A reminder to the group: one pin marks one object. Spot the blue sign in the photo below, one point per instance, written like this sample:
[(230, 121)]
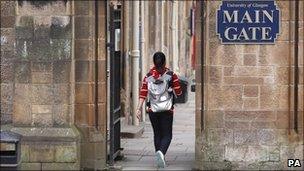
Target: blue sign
[(248, 22)]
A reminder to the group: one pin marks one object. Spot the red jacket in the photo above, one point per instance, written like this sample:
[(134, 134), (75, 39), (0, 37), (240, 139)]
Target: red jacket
[(144, 88)]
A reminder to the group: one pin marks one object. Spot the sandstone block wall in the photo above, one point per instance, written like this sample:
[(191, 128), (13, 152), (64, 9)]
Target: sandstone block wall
[(36, 53), (245, 120), (7, 60)]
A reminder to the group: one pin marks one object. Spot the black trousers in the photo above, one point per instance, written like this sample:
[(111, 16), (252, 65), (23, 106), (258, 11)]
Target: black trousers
[(162, 128)]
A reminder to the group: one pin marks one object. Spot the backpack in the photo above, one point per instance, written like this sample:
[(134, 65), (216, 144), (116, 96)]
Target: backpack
[(160, 92)]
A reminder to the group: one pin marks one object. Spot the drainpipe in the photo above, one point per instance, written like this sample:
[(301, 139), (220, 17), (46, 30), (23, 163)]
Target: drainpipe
[(296, 67), (135, 61), (161, 26), (126, 26), (174, 36), (143, 51)]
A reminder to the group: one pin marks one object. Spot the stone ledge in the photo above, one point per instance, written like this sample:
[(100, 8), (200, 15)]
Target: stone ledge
[(49, 134), (131, 131)]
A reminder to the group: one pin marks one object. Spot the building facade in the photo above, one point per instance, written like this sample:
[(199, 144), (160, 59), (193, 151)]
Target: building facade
[(55, 86), (245, 115)]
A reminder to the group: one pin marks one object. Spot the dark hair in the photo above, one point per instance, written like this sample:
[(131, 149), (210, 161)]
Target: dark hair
[(159, 59)]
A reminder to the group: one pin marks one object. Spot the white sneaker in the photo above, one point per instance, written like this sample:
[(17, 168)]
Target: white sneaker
[(160, 159)]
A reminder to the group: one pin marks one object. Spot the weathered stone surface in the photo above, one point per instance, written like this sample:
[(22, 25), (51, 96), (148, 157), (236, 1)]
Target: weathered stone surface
[(84, 71), (250, 59), (24, 27), (41, 32), (284, 7), (266, 137), (65, 134), (61, 49), (263, 125), (237, 125), (228, 97), (214, 119), (61, 115), (274, 153), (43, 120), (243, 80), (102, 113), (102, 92), (42, 94), (84, 93), (251, 91), (60, 166), (25, 21), (65, 154), (83, 8), (7, 8), (215, 74), (41, 153), (285, 31), (7, 56), (61, 72), (256, 153), (268, 97), (274, 54), (42, 77), (61, 27), (287, 152), (42, 66), (25, 153), (22, 49), (21, 106), (30, 166), (250, 103), (213, 152), (102, 70), (84, 49), (82, 112), (245, 137), (220, 136), (62, 93), (41, 50), (6, 113), (84, 27), (7, 39), (7, 93), (41, 109), (22, 72), (7, 21), (281, 75), (233, 153), (44, 7)]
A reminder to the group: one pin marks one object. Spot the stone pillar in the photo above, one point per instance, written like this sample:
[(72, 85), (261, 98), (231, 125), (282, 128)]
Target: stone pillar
[(88, 42), (246, 100)]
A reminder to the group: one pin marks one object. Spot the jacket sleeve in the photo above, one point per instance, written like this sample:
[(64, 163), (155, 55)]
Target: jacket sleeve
[(144, 89), (176, 86)]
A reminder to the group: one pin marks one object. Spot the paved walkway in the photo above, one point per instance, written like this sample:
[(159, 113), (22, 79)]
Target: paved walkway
[(139, 152)]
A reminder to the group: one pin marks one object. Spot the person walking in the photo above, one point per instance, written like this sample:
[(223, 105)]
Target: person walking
[(160, 86)]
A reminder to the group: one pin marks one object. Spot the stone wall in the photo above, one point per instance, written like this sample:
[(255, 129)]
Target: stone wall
[(245, 120), (36, 88), (7, 60), (93, 130)]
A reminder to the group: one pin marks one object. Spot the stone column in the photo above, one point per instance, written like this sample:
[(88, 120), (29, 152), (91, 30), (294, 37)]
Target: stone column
[(42, 104), (90, 49)]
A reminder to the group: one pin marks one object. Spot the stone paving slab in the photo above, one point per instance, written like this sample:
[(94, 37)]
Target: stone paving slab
[(139, 152)]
